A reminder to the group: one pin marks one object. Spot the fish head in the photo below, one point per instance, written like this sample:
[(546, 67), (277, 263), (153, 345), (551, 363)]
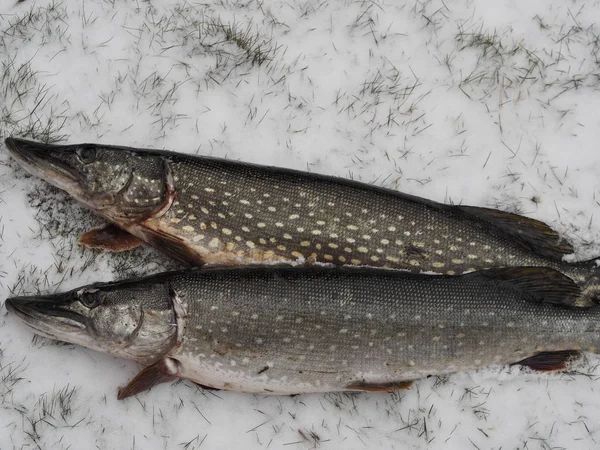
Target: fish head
[(124, 319), (122, 184)]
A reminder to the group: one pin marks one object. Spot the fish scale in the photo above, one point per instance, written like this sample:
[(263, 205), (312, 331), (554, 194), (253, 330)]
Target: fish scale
[(221, 204), (257, 214), (205, 210), (287, 330)]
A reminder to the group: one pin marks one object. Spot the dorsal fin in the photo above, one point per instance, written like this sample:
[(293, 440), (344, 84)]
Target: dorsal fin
[(530, 233), (543, 284)]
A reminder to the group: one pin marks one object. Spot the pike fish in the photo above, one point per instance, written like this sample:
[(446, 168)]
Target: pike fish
[(213, 211), (290, 330)]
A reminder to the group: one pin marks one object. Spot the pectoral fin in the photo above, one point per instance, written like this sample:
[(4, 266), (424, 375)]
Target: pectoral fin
[(378, 387), (162, 371), (110, 238), (550, 361), (172, 245)]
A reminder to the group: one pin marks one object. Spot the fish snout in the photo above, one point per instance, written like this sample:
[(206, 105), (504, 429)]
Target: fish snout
[(9, 305), (45, 308), (26, 151), (19, 306)]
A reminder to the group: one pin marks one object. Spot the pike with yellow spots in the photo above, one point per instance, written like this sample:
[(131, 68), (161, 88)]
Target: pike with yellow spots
[(290, 330), (214, 211)]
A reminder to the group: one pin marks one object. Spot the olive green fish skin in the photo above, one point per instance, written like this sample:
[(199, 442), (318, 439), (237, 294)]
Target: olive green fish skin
[(298, 330), (226, 212), (316, 331), (257, 210)]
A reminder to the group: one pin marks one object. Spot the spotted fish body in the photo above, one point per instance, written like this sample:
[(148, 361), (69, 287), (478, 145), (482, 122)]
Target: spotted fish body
[(287, 330), (226, 210), (214, 211), (293, 331)]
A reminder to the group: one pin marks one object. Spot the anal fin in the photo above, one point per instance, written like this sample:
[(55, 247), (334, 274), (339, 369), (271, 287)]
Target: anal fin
[(110, 238), (550, 361), (162, 371), (378, 387)]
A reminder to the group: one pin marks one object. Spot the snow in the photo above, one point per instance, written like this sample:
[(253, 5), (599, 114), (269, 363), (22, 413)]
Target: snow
[(474, 102)]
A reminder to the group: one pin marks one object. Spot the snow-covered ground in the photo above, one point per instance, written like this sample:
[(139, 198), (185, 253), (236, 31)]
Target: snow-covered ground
[(475, 102)]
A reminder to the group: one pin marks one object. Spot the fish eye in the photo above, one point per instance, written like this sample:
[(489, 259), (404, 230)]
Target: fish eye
[(86, 154), (90, 299)]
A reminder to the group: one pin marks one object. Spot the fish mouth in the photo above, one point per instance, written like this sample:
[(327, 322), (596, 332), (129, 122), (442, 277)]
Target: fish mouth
[(38, 159), (48, 315)]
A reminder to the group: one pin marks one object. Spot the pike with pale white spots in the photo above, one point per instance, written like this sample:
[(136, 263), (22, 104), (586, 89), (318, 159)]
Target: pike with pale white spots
[(214, 211), (289, 330)]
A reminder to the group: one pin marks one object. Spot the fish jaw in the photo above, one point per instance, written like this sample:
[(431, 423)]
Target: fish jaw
[(37, 159), (127, 322), (51, 321), (62, 326)]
